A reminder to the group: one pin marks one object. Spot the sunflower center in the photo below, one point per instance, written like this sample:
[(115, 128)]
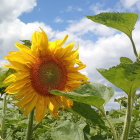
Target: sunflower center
[(48, 73)]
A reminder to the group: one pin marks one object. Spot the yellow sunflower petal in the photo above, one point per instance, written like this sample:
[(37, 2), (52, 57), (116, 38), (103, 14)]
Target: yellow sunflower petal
[(68, 50), (70, 103), (20, 58), (39, 43), (22, 47), (21, 76), (64, 102), (64, 40), (24, 90), (16, 86), (19, 66), (40, 108), (29, 107), (10, 78), (53, 106), (76, 76), (28, 98), (10, 66)]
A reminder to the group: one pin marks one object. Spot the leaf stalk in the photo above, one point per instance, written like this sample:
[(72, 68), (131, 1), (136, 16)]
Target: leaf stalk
[(127, 123), (110, 124), (134, 47)]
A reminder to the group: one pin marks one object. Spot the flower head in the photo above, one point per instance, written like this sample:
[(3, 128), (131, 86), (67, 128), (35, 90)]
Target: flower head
[(41, 68)]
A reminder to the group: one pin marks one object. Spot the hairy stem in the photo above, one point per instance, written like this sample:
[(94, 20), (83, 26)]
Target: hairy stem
[(3, 117), (30, 125), (110, 124), (134, 47), (127, 122)]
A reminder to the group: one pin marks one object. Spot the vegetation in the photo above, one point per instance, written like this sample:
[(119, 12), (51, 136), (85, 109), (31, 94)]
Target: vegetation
[(87, 119)]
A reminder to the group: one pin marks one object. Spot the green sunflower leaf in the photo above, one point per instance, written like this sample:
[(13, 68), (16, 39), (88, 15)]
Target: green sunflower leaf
[(124, 76), (68, 131), (124, 22), (27, 43), (126, 60), (87, 112), (3, 74), (91, 93)]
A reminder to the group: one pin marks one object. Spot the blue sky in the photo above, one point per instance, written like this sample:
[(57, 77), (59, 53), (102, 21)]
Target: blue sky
[(59, 13), (100, 46)]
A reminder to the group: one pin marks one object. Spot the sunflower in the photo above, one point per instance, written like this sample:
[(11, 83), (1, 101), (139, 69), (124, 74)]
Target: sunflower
[(41, 68)]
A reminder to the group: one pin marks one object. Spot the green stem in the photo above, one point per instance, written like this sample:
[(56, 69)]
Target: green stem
[(3, 117), (134, 47), (110, 124), (127, 122), (30, 125)]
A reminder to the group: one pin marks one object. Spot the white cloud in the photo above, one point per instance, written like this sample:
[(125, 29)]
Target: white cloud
[(98, 8), (10, 25), (114, 105), (105, 53), (58, 20), (10, 10), (2, 62), (12, 29), (73, 8), (85, 26), (15, 31), (131, 4)]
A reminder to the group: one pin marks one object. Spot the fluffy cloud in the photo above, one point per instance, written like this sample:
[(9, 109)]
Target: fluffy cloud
[(12, 29), (73, 8), (114, 105), (105, 53), (85, 26), (15, 31), (98, 8), (10, 10), (131, 3), (58, 20)]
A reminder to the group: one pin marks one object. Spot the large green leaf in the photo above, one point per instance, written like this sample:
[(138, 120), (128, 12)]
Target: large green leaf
[(91, 93), (88, 112), (124, 22), (68, 131), (96, 89), (3, 74), (125, 76)]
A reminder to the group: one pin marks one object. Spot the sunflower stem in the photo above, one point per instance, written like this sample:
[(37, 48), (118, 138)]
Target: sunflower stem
[(127, 123), (110, 124), (3, 117), (134, 47), (30, 125)]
